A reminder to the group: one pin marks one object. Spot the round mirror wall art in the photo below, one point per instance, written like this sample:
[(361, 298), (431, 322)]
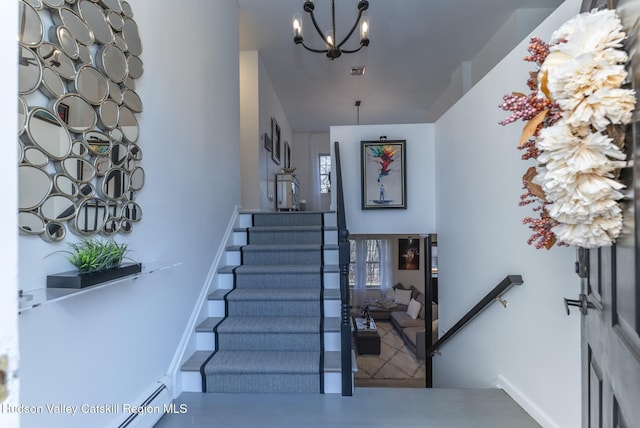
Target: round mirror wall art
[(78, 134)]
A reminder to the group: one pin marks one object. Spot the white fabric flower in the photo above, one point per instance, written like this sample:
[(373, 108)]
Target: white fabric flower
[(604, 107), (595, 31)]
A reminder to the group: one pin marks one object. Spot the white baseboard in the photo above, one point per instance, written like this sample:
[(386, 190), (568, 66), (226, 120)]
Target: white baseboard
[(525, 402)]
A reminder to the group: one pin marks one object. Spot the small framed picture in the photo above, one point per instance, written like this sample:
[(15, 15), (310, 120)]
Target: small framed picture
[(408, 254), (275, 137)]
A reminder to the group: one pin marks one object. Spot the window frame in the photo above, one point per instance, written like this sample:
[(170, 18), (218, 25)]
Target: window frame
[(324, 189)]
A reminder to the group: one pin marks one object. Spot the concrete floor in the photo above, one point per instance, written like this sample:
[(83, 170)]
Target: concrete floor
[(368, 407)]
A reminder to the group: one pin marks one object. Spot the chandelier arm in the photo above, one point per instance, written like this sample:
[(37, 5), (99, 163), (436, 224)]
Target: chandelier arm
[(354, 50), (333, 22), (314, 50), (355, 25), (315, 24)]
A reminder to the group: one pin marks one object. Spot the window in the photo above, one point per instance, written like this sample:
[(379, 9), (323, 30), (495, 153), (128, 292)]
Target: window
[(325, 173), (371, 258)]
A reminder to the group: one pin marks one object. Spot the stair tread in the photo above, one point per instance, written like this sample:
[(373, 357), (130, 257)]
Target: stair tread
[(209, 324), (218, 294), (273, 294), (264, 362), (247, 269), (332, 362), (195, 361), (332, 294), (331, 324), (241, 269), (302, 228), (263, 325), (281, 247)]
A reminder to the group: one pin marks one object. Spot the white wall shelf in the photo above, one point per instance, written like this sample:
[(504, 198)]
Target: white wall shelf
[(41, 296)]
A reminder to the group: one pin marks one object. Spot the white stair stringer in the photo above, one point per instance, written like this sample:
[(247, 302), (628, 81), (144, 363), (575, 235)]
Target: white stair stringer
[(191, 341)]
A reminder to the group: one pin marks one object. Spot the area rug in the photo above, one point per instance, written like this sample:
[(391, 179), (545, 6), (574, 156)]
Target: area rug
[(396, 366)]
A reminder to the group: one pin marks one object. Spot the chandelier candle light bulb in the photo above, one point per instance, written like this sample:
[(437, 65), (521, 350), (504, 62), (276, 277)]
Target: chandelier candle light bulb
[(297, 25)]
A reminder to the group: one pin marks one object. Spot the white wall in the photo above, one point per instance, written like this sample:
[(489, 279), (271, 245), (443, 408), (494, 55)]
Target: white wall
[(532, 346), (253, 154), (420, 215), (8, 219), (304, 156), (110, 345), (259, 103), (515, 28)]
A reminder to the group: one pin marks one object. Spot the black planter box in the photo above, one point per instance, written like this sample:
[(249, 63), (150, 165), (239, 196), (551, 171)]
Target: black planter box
[(74, 279)]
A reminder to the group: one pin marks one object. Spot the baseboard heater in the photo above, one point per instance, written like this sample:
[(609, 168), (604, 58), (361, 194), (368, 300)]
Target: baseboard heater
[(155, 403)]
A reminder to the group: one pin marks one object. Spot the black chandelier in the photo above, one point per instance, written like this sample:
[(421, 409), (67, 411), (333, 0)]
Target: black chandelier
[(332, 50)]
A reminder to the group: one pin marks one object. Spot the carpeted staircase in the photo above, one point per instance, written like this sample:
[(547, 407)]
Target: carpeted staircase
[(271, 337)]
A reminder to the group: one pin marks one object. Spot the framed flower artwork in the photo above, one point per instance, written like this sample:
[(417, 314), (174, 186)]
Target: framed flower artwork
[(384, 174)]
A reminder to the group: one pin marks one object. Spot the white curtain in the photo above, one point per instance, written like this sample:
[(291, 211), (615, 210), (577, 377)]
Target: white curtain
[(360, 271), (385, 266)]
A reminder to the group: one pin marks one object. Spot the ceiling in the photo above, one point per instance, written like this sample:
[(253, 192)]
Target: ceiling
[(415, 47)]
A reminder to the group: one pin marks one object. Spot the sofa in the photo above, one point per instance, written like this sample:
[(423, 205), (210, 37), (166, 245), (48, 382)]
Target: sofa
[(405, 308)]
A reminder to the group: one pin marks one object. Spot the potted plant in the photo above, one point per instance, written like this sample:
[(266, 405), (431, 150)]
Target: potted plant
[(95, 261)]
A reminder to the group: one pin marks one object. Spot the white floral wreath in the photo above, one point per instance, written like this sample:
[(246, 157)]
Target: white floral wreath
[(578, 159)]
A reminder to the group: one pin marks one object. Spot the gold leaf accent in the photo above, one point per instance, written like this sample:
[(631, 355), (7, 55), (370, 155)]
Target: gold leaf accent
[(544, 85), (535, 189), (518, 94), (531, 126), (551, 242)]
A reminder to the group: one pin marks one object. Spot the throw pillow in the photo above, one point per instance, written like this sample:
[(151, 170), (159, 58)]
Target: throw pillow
[(413, 310), (390, 294), (403, 297), (400, 286)]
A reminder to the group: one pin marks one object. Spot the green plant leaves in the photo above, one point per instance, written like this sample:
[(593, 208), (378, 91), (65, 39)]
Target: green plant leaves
[(91, 255)]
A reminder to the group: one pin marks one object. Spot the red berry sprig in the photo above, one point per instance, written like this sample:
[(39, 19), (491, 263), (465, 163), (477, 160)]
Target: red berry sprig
[(538, 50), (523, 107), (542, 234)]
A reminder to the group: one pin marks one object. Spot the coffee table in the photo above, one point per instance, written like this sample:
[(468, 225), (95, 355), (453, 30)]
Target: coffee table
[(366, 337)]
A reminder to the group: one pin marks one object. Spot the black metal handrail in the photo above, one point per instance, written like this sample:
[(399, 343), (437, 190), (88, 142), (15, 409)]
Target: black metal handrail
[(343, 261), (495, 294)]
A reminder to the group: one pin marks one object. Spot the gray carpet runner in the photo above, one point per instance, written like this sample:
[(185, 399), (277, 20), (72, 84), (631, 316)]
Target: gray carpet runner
[(271, 338)]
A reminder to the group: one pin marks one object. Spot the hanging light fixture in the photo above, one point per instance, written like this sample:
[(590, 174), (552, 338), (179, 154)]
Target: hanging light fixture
[(333, 49)]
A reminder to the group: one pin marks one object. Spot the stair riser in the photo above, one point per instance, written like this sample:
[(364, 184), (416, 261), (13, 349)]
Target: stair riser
[(268, 342), (191, 381), (287, 219), (332, 341), (277, 281), (206, 341), (279, 383), (293, 237), (331, 281), (277, 308), (330, 237), (272, 258), (332, 308), (240, 238)]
